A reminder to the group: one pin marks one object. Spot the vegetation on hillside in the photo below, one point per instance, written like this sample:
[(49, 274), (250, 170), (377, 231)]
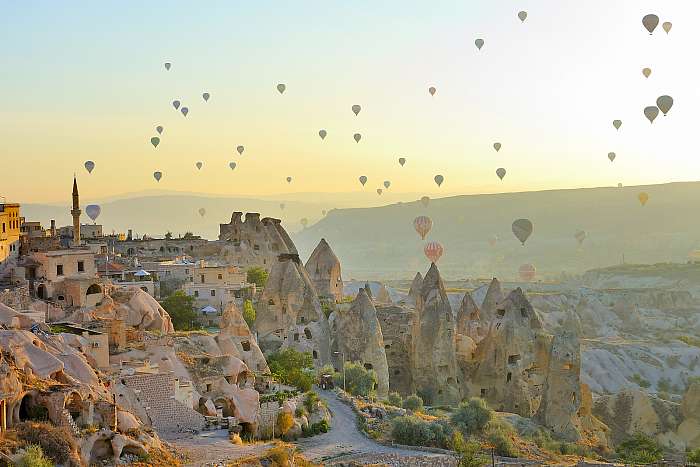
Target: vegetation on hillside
[(180, 307), (292, 367), (257, 275)]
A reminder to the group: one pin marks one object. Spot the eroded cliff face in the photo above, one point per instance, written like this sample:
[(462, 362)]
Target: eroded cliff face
[(357, 335), (235, 339), (289, 313), (324, 270)]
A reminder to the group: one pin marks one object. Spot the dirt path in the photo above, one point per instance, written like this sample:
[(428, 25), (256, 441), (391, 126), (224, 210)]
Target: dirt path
[(212, 448)]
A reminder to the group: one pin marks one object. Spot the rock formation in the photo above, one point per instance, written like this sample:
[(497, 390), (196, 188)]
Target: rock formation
[(357, 336), (383, 297), (397, 329), (494, 296), (324, 270), (414, 291), (236, 339)]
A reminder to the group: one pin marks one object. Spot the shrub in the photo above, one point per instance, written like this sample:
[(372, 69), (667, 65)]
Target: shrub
[(639, 449), (442, 434), (359, 381), (395, 399), (279, 455), (285, 422), (293, 367), (257, 276), (180, 307), (57, 443), (311, 401), (694, 456), (412, 431), (637, 378), (472, 416), (249, 314), (469, 451), (499, 434), (413, 403), (299, 412), (33, 456)]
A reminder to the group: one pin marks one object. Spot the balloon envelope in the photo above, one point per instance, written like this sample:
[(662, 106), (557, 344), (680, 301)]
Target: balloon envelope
[(617, 124), (501, 172), (89, 166), (356, 109), (357, 137), (667, 26), (422, 224), (155, 141), (281, 88), (432, 90), (611, 156), (497, 146), (289, 179), (664, 103), (387, 184), (205, 96), (651, 113), (522, 15), (439, 179), (522, 229), (167, 65), (232, 165), (199, 165), (322, 134), (402, 161), (379, 191), (176, 104), (159, 129), (202, 212), (433, 251), (646, 72), (184, 111), (93, 211), (650, 22), (479, 43), (157, 176), (643, 198), (240, 149), (425, 200), (363, 179)]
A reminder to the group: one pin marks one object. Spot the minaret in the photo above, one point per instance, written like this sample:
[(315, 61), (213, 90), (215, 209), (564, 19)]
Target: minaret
[(75, 212)]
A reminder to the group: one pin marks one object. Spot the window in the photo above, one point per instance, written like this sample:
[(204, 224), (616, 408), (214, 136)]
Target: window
[(246, 346), (201, 278), (59, 269), (212, 292), (196, 293), (523, 312), (484, 392), (315, 355), (513, 359), (81, 266), (296, 337), (187, 272), (220, 276)]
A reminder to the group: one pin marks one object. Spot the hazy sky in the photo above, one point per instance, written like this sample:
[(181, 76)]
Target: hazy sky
[(85, 80)]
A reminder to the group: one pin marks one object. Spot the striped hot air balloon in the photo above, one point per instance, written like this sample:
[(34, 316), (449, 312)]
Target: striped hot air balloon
[(422, 224), (433, 251)]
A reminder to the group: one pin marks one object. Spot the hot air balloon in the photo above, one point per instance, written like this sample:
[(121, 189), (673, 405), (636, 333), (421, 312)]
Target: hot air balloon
[(159, 129), (522, 15), (619, 185), (240, 150), (651, 113), (379, 191), (580, 236), (322, 134), (425, 200), (89, 166), (176, 104), (493, 240), (433, 251), (202, 212), (205, 96), (289, 179), (664, 103), (167, 65), (356, 109), (357, 137), (363, 179), (646, 72), (617, 124), (232, 165), (611, 156), (155, 141), (281, 88), (497, 146), (157, 176), (402, 161), (304, 221), (501, 172), (387, 184), (522, 229), (282, 206), (184, 111), (527, 272), (650, 22), (422, 224), (432, 90), (479, 43), (439, 179), (93, 211), (643, 198), (667, 26), (199, 165)]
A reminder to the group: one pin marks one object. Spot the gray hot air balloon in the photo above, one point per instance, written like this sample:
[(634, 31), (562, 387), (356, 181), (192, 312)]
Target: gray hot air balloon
[(176, 104), (387, 184), (157, 176), (155, 141), (497, 146), (439, 179), (356, 109), (89, 166), (479, 43), (646, 72), (206, 96), (425, 200), (199, 165), (667, 26), (357, 137), (522, 229), (240, 150), (611, 156), (281, 88), (289, 179), (664, 103), (322, 134), (93, 211), (202, 212), (501, 172), (650, 22), (363, 179), (167, 65), (232, 165), (651, 113), (522, 15), (617, 124), (432, 90), (379, 191), (184, 111), (402, 161), (159, 129)]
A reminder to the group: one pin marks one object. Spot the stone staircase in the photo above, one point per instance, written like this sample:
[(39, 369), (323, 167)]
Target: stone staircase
[(70, 423)]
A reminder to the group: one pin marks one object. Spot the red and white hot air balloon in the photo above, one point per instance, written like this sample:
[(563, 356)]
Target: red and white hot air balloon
[(422, 224), (433, 251), (527, 272)]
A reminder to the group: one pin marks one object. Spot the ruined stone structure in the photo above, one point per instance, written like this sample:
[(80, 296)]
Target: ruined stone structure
[(323, 267)]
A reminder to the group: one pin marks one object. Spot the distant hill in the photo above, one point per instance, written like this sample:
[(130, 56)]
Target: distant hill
[(381, 242)]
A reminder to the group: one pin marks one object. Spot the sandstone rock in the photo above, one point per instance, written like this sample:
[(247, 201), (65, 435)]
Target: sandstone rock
[(414, 291), (236, 339), (323, 267), (469, 321), (494, 296), (383, 296), (127, 421), (397, 330)]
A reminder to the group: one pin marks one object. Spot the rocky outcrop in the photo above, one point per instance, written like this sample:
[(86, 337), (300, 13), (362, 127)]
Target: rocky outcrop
[(357, 336), (323, 267), (434, 349), (235, 339), (494, 296), (469, 322), (689, 429), (397, 329), (383, 297), (289, 313), (414, 290)]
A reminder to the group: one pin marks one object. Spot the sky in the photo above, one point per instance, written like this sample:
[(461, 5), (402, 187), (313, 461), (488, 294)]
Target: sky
[(85, 81)]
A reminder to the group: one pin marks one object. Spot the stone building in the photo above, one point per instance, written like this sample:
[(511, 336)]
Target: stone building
[(217, 285), (323, 267), (9, 237)]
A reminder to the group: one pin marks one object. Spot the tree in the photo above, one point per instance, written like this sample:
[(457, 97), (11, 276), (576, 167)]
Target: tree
[(249, 314), (694, 456), (257, 276), (413, 403), (359, 381), (180, 307), (471, 417), (188, 235), (293, 367), (168, 235), (639, 449)]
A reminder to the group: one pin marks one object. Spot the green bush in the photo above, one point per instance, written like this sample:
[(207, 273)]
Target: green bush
[(56, 442), (639, 449), (359, 381), (694, 456), (413, 403), (292, 367), (412, 431), (311, 401), (395, 399), (180, 307), (472, 416), (33, 456), (442, 434), (637, 378), (257, 276), (499, 434), (249, 314), (469, 451)]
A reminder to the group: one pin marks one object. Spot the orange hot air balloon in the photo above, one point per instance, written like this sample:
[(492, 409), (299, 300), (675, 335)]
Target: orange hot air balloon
[(527, 272), (643, 198), (433, 251), (422, 224)]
